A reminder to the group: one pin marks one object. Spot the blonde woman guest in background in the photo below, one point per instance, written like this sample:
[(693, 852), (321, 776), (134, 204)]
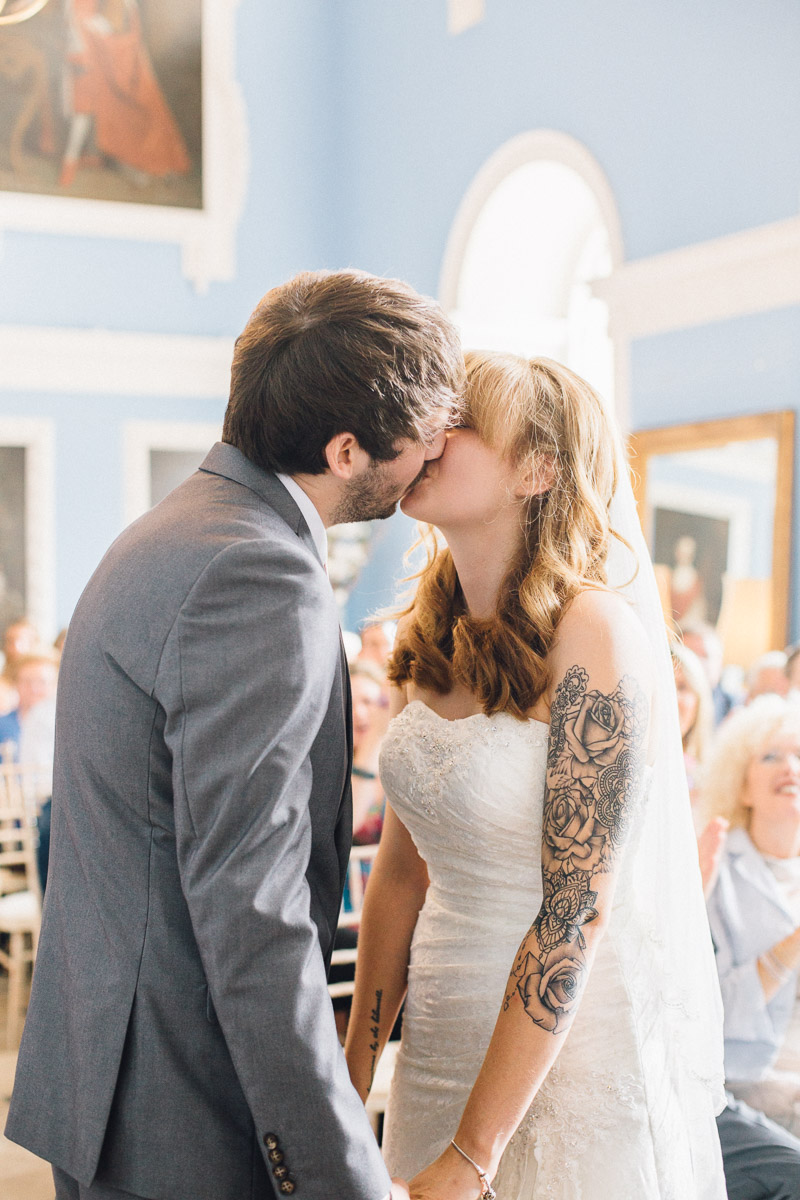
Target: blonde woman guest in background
[(535, 876), (695, 711), (753, 779), (696, 717)]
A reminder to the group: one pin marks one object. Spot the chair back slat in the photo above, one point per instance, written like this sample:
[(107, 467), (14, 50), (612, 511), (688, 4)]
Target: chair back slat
[(18, 832)]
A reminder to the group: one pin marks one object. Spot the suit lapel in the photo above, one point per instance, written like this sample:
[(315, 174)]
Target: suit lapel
[(229, 462)]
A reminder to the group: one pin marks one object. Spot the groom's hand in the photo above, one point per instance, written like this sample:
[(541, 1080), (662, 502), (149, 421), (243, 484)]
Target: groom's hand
[(399, 1190)]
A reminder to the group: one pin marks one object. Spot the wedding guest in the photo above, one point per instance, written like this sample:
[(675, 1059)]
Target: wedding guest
[(753, 779), (706, 643), (19, 638), (368, 684), (695, 715), (695, 711), (34, 677), (377, 640), (793, 666), (767, 676), (27, 736)]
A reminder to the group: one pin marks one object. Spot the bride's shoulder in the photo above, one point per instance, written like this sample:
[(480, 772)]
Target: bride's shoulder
[(600, 606), (599, 626)]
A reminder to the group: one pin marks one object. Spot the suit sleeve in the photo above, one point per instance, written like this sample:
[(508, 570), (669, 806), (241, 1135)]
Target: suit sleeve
[(256, 648)]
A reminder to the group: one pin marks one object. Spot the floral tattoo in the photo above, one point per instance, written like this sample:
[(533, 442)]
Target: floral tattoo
[(594, 772)]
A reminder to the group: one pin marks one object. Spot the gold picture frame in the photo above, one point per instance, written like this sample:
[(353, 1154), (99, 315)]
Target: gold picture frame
[(771, 436)]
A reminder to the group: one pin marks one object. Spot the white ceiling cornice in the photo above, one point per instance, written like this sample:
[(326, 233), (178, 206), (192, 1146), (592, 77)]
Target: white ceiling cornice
[(109, 363), (749, 272)]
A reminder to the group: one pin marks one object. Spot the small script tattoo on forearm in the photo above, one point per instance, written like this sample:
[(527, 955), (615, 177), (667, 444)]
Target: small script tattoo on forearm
[(594, 773), (374, 1033)]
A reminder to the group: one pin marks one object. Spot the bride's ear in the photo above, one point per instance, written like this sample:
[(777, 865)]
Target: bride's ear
[(536, 477)]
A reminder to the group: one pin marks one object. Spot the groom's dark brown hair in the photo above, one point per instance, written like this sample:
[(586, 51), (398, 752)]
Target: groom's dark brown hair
[(340, 352)]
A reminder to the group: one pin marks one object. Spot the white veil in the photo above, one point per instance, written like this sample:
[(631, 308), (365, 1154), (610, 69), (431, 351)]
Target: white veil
[(665, 933)]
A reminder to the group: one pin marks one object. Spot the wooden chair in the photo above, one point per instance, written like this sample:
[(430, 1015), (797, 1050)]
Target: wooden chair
[(21, 908)]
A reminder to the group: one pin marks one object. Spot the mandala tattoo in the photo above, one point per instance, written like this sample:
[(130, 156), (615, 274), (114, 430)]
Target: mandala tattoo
[(594, 775)]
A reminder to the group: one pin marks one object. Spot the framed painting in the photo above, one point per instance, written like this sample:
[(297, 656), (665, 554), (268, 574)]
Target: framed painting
[(715, 504), (108, 125), (27, 522), (158, 456)]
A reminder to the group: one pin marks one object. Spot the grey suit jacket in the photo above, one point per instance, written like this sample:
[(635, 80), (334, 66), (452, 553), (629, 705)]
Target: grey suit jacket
[(180, 1042)]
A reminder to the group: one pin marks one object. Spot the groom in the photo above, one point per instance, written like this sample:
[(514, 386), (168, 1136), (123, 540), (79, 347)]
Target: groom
[(180, 1044)]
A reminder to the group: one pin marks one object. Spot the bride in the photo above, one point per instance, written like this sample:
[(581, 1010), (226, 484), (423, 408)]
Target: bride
[(536, 897)]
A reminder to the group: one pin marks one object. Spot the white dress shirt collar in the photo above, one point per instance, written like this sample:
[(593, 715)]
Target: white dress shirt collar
[(312, 518)]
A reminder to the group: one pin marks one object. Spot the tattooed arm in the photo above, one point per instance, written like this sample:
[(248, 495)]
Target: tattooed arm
[(396, 892), (600, 704)]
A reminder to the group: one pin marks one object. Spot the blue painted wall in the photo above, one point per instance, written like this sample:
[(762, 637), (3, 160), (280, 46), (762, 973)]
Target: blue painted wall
[(368, 122), (693, 112)]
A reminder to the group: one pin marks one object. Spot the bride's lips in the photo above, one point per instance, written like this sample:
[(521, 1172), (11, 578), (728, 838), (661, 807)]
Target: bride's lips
[(415, 483)]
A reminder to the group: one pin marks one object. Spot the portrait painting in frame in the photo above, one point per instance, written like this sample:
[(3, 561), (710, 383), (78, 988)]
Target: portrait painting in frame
[(102, 100), (27, 521), (13, 583), (693, 550), (715, 502)]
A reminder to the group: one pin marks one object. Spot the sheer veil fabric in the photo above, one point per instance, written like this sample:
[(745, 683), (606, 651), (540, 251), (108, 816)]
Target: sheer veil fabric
[(667, 919)]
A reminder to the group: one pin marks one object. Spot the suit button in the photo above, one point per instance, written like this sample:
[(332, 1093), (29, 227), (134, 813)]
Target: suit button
[(275, 1156), (270, 1141), (287, 1187), (280, 1172)]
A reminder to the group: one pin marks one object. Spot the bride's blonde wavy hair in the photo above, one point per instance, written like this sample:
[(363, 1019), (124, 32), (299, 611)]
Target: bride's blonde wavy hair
[(540, 415)]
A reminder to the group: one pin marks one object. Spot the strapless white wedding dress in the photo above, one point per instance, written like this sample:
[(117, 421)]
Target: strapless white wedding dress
[(601, 1127)]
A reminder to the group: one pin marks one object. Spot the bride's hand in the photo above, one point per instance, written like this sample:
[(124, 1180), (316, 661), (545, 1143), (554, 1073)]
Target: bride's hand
[(450, 1177)]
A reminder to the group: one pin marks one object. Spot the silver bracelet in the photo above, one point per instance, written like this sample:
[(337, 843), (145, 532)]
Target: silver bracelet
[(487, 1191)]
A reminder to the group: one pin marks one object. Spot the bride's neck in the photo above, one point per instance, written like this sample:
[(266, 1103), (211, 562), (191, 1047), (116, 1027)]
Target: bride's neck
[(482, 556)]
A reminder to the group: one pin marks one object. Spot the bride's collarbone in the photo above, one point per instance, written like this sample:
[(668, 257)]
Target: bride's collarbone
[(460, 704)]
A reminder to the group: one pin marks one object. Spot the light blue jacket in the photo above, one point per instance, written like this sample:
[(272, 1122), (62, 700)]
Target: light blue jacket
[(748, 915)]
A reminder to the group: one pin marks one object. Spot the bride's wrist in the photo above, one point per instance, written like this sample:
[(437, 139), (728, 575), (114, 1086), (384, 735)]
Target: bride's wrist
[(482, 1164), (462, 1176), (484, 1147)]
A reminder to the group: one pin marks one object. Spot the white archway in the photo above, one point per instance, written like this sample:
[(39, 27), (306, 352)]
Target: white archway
[(536, 227)]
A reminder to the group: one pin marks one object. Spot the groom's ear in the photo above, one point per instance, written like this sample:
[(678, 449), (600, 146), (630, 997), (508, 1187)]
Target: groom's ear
[(344, 456)]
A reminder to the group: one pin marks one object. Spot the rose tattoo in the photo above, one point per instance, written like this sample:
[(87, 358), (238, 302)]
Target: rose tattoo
[(572, 839), (594, 735), (595, 759), (550, 990)]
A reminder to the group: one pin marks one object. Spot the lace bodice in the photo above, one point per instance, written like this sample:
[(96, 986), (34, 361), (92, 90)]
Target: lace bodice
[(470, 793)]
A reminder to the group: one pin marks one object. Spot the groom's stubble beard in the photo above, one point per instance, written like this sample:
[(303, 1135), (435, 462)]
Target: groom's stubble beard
[(372, 495)]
